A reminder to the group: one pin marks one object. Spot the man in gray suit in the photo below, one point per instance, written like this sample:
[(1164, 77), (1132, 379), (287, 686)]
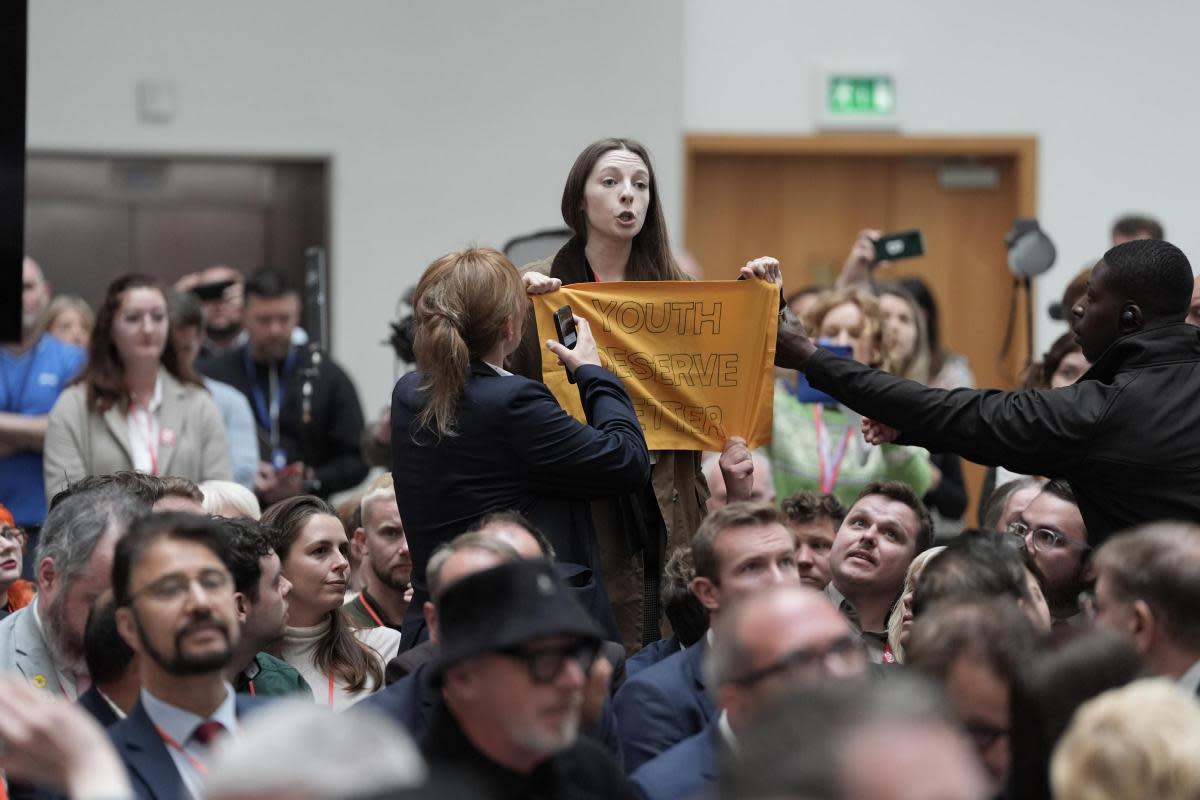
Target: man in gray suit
[(44, 641)]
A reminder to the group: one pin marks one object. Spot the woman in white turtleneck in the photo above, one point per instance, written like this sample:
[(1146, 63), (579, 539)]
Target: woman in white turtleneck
[(342, 664)]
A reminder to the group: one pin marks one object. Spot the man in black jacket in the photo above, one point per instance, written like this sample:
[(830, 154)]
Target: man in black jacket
[(307, 409), (1126, 436)]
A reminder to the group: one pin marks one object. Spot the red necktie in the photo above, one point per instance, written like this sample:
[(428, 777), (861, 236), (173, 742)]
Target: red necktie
[(206, 732)]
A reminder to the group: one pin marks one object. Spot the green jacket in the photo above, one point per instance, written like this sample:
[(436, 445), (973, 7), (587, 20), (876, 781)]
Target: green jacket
[(271, 677)]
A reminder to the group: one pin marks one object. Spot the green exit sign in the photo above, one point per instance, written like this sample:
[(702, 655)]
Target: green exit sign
[(860, 96)]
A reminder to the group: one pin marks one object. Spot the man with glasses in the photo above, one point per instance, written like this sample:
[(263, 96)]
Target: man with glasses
[(175, 608), (764, 646), (516, 650), (15, 593), (974, 648), (1052, 530)]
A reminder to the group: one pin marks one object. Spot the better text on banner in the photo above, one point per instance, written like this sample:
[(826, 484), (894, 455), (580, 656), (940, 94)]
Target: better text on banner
[(697, 357)]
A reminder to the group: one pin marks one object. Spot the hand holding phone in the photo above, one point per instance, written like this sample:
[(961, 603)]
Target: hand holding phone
[(575, 345), (895, 246), (564, 326)]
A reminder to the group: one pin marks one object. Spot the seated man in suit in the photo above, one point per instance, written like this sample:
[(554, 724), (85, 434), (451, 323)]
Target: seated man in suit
[(262, 606), (689, 619), (44, 641), (763, 646), (739, 549), (112, 665), (176, 609)]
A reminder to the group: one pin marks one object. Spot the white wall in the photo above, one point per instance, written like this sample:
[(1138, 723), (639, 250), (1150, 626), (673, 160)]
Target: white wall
[(1105, 85), (447, 122)]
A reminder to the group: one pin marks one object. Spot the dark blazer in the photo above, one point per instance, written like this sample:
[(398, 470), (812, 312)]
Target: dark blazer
[(663, 705), (151, 770), (515, 448), (687, 771), (650, 655), (93, 703), (1126, 436)]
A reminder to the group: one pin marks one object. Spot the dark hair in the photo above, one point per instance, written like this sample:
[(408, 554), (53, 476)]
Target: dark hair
[(138, 484), (650, 258), (1154, 274), (247, 542), (975, 564), (338, 651), (993, 632), (268, 284), (993, 507), (173, 486), (903, 493), (685, 612), (808, 506), (148, 530), (1060, 489), (1040, 373), (106, 653), (514, 517), (734, 515), (104, 375), (1076, 665), (1134, 224), (1160, 565), (184, 309)]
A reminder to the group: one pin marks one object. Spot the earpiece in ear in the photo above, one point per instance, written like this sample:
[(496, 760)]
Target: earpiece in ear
[(1127, 319)]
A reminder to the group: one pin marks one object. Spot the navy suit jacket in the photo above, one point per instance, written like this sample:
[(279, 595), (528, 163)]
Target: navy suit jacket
[(650, 655), (515, 449), (151, 770), (687, 771), (663, 705), (92, 702)]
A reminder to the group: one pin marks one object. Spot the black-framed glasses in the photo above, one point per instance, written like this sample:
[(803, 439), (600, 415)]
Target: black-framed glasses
[(12, 534), (1043, 539), (840, 655), (546, 663)]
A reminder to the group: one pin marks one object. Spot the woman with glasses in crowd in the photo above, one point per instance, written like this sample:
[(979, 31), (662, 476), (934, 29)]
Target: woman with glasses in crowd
[(611, 204), (342, 664), (136, 405), (15, 592)]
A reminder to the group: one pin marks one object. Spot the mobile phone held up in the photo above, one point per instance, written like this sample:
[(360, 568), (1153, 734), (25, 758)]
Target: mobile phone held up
[(895, 246), (564, 326)]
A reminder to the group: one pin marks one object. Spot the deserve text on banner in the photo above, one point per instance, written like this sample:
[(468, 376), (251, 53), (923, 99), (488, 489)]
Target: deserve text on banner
[(697, 357)]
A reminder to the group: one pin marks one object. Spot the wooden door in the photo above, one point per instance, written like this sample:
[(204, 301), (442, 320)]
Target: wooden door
[(804, 199)]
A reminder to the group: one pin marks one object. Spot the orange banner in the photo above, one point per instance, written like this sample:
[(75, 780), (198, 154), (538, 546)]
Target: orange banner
[(697, 357)]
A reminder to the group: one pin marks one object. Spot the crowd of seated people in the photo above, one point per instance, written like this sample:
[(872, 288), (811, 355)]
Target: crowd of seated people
[(527, 604)]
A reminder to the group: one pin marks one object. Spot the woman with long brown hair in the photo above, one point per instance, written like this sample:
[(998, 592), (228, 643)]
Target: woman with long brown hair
[(610, 202), (342, 664), (136, 405), (469, 438)]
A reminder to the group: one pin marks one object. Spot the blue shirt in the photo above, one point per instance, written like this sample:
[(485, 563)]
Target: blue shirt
[(30, 383)]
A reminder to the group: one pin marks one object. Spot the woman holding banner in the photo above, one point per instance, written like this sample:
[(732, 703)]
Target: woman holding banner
[(610, 202), (469, 438)]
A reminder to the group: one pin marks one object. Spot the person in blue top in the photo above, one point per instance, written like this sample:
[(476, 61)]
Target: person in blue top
[(33, 372)]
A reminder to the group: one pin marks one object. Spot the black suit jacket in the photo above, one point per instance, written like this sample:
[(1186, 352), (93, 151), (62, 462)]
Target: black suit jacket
[(95, 704), (515, 448), (151, 769)]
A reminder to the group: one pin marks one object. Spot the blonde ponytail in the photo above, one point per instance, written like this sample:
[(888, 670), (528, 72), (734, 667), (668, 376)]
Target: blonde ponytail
[(460, 307)]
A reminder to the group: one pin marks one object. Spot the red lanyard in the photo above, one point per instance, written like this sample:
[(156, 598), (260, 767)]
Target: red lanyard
[(828, 474), (367, 606), (331, 690), (170, 741)]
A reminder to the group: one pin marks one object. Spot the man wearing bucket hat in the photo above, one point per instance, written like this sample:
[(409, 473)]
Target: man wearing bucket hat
[(516, 650)]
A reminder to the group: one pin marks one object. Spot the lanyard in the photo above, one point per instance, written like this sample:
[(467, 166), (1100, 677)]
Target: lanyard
[(170, 742), (331, 690), (362, 598), (267, 411), (827, 472), (151, 440)]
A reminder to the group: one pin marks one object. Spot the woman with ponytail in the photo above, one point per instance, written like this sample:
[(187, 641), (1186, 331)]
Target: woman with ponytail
[(469, 438), (342, 664)]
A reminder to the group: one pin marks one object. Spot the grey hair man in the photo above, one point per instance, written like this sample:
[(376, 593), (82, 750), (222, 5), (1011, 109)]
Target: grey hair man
[(44, 641)]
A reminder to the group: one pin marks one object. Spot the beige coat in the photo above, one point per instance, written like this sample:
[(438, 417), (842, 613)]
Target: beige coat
[(80, 442)]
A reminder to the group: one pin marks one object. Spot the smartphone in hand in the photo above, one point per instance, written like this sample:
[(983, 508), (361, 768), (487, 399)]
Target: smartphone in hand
[(895, 246), (564, 326)]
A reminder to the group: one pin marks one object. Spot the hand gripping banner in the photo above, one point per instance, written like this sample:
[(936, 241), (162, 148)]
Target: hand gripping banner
[(697, 357)]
